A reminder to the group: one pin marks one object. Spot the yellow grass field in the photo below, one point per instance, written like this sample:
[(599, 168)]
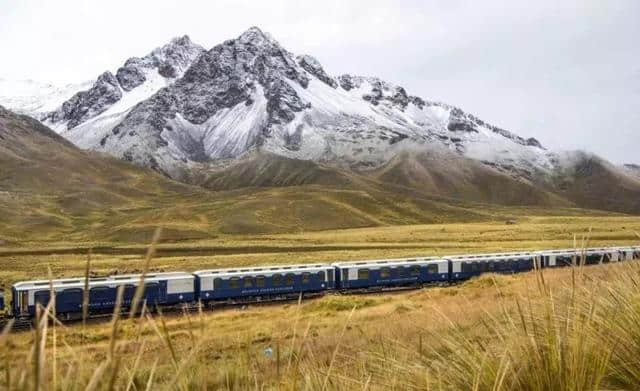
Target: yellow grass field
[(552, 330)]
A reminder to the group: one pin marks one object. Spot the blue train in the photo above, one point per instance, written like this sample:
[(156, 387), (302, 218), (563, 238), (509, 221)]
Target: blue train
[(237, 285)]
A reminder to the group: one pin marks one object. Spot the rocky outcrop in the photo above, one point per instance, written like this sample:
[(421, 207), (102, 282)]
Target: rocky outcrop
[(87, 104), (130, 75), (168, 61), (312, 66)]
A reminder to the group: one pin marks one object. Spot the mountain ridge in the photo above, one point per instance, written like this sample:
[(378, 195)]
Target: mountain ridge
[(251, 93), (248, 113)]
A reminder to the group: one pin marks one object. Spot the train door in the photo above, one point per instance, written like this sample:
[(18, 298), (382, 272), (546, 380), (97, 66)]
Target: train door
[(24, 302)]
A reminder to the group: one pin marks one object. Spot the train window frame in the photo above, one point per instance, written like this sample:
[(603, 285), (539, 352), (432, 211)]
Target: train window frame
[(276, 279), (289, 279), (414, 271), (345, 274), (363, 274), (433, 268), (217, 283), (247, 282), (330, 275), (306, 278), (385, 273), (322, 276), (43, 292), (466, 267), (400, 272), (132, 289), (261, 281), (234, 283)]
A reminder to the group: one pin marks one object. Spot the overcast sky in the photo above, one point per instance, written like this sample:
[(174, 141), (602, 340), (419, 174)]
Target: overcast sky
[(565, 72)]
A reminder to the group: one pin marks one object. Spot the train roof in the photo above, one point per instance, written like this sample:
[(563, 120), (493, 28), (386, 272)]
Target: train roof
[(578, 251), (255, 271), (487, 257), (118, 279), (388, 262)]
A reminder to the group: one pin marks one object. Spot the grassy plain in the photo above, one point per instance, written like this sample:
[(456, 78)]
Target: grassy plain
[(554, 330)]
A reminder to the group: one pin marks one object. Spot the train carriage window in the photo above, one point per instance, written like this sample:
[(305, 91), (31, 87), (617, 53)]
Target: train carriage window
[(400, 272), (276, 280), (432, 269), (234, 282), (474, 267), (306, 278), (414, 271), (289, 279), (345, 274), (129, 292), (42, 298), (248, 282), (217, 283), (330, 275), (260, 282), (321, 276), (466, 267), (101, 293), (491, 266), (385, 272), (363, 274)]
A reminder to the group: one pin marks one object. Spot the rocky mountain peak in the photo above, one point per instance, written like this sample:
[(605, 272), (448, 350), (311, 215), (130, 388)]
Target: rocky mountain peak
[(182, 106), (256, 37)]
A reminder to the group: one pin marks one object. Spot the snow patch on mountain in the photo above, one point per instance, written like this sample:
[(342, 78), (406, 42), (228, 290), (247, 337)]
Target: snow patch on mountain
[(137, 80), (35, 98)]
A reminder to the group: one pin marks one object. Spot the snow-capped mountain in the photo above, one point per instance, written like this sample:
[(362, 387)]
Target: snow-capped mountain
[(181, 107), (34, 98)]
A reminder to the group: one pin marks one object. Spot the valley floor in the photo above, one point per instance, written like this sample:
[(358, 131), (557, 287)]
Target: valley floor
[(523, 233), (568, 329)]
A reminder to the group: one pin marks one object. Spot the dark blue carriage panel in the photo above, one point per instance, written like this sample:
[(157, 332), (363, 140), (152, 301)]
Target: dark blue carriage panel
[(1, 302), (176, 298), (69, 301), (470, 268), (273, 285), (431, 273), (390, 276)]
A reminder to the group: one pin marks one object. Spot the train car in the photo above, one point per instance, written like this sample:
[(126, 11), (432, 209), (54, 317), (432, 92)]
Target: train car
[(160, 289), (391, 273), (263, 282), (568, 257), (629, 253), (467, 266)]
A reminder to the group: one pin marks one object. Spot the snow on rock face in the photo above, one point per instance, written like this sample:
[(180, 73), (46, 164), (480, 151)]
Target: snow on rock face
[(166, 63), (34, 98), (181, 106), (87, 104), (312, 66)]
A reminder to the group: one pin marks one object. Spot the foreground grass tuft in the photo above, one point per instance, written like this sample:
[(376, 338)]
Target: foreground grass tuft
[(570, 329)]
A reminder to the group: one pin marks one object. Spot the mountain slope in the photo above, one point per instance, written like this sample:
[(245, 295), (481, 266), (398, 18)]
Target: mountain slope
[(248, 113), (250, 93), (52, 191), (594, 183)]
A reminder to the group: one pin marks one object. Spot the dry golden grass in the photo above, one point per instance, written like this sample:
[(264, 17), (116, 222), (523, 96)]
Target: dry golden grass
[(567, 329), (493, 332)]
